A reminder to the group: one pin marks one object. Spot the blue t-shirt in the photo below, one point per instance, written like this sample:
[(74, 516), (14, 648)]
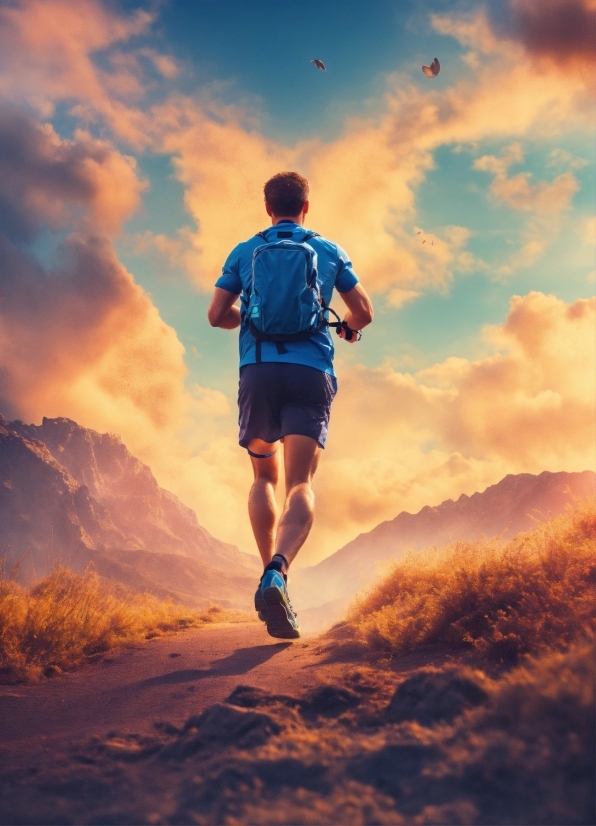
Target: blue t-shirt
[(334, 270)]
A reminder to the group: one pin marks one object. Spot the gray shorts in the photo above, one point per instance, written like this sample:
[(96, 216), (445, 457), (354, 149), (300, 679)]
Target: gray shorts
[(277, 400)]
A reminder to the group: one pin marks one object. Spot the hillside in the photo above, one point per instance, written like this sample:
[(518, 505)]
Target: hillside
[(71, 495), (502, 510)]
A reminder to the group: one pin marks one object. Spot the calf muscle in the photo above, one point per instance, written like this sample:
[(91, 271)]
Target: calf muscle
[(301, 457)]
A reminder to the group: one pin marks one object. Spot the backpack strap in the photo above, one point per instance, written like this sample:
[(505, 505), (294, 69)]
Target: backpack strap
[(310, 234), (279, 346)]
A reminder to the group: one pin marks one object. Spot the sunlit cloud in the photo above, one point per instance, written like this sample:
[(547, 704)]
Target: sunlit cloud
[(79, 338), (518, 192), (47, 51), (462, 424)]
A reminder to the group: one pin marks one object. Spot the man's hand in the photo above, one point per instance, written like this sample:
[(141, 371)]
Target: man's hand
[(347, 333)]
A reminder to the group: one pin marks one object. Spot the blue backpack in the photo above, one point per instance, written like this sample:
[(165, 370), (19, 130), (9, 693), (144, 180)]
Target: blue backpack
[(284, 301)]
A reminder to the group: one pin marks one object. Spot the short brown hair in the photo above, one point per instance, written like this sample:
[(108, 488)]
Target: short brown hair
[(286, 193)]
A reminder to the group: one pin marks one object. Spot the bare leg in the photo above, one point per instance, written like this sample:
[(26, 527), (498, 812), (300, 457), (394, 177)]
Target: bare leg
[(262, 508), (301, 457)]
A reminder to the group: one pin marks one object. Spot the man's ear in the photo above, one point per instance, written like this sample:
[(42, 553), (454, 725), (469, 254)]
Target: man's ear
[(305, 207), (269, 210)]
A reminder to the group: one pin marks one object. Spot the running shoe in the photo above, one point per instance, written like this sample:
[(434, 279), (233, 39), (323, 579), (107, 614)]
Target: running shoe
[(279, 614)]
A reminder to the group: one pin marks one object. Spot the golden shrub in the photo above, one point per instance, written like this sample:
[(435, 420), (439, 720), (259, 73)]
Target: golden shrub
[(68, 617), (503, 599)]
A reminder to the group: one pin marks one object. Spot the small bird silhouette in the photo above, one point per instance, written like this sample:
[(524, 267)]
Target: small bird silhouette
[(319, 64), (424, 242), (419, 231), (432, 70)]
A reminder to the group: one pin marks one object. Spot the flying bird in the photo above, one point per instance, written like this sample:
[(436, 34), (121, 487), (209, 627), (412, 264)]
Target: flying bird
[(319, 64), (432, 70)]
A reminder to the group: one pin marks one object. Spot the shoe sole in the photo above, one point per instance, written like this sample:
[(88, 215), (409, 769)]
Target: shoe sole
[(260, 606), (278, 624)]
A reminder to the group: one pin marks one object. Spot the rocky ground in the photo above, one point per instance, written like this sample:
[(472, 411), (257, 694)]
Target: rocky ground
[(345, 740)]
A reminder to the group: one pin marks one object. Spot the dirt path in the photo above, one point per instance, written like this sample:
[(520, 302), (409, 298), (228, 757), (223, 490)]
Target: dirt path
[(169, 678), (223, 725)]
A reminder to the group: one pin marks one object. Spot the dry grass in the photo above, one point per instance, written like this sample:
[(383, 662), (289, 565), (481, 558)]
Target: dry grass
[(67, 618), (525, 596)]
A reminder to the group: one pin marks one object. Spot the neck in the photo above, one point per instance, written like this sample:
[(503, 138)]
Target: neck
[(296, 219)]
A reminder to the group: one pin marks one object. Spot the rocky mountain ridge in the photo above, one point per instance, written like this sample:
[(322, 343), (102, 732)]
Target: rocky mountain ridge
[(71, 495), (503, 510)]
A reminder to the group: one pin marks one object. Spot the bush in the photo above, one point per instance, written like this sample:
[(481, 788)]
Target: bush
[(502, 599), (69, 617)]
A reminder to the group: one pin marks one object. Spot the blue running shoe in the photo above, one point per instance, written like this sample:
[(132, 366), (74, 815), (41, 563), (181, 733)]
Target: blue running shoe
[(279, 614)]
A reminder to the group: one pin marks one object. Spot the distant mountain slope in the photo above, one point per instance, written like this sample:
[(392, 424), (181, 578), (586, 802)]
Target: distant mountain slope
[(70, 494), (504, 509)]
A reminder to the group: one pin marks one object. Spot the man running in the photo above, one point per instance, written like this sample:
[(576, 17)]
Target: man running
[(286, 390)]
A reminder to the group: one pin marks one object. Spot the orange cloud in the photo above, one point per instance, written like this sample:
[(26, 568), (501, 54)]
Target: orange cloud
[(79, 338), (462, 424), (517, 191), (46, 56), (46, 180)]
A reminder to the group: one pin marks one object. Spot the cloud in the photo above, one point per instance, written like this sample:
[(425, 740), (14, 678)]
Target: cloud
[(47, 181), (544, 201), (518, 192), (561, 31), (47, 51), (461, 424), (79, 312), (79, 338)]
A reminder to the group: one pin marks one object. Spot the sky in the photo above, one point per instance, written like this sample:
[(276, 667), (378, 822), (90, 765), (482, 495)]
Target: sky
[(135, 139)]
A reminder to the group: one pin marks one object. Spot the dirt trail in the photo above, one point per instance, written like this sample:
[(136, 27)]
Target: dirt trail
[(223, 724), (169, 678)]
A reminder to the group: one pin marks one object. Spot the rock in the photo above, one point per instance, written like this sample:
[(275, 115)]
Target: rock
[(222, 725), (430, 697), (247, 696), (332, 700)]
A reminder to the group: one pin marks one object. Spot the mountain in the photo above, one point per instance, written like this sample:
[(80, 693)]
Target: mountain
[(71, 495), (502, 510)]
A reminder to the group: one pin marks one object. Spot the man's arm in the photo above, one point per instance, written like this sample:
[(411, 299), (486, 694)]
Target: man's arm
[(360, 309), (221, 312)]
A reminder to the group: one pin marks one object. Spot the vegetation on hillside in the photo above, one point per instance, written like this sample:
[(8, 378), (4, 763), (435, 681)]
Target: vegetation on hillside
[(505, 600), (67, 618)]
